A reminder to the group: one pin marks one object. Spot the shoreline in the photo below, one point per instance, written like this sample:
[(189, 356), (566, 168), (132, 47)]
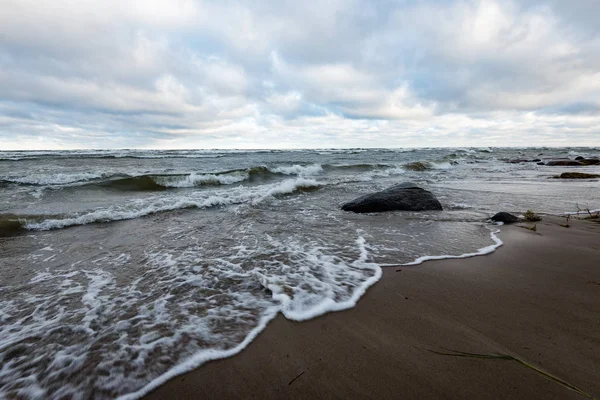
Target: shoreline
[(537, 299)]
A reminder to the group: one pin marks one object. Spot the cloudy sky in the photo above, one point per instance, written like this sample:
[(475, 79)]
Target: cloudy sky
[(298, 74)]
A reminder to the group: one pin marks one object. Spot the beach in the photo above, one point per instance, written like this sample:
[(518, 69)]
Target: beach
[(122, 270), (537, 298)]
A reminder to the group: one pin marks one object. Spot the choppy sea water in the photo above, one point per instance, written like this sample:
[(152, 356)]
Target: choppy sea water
[(120, 269)]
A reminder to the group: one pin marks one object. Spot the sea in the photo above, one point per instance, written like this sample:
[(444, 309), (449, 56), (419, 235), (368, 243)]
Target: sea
[(120, 269)]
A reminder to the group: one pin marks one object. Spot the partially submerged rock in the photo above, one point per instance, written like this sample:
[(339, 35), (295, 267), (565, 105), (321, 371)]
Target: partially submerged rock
[(590, 161), (576, 175), (578, 162), (403, 197), (505, 217), (563, 163)]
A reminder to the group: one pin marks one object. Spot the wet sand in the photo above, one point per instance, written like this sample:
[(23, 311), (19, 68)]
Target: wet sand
[(537, 298)]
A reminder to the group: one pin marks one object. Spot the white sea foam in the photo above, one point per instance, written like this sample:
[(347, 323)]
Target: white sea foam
[(301, 305), (195, 179), (327, 278), (304, 170), (177, 311), (480, 252)]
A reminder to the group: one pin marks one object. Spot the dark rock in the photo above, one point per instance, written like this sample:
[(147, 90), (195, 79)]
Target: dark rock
[(579, 158), (403, 197), (590, 161), (576, 175), (541, 163), (564, 163), (536, 160), (505, 217)]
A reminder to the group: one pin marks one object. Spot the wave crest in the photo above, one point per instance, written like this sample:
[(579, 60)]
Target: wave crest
[(157, 204)]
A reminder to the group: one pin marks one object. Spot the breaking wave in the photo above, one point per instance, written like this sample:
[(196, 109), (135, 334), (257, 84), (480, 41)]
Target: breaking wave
[(13, 224)]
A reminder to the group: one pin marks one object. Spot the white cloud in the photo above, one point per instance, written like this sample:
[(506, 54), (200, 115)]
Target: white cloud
[(195, 73)]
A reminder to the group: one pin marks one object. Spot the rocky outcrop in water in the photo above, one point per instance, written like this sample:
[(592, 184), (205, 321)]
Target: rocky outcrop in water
[(576, 175), (505, 217), (590, 161), (578, 162), (403, 197), (563, 163)]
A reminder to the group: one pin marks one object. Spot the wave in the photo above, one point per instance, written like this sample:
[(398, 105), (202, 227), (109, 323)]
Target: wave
[(158, 182), (112, 180), (164, 182), (11, 224)]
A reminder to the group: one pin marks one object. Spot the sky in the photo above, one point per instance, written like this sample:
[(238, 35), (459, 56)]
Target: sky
[(298, 74)]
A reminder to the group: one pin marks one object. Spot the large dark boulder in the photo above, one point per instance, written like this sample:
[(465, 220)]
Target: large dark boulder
[(505, 217), (403, 197)]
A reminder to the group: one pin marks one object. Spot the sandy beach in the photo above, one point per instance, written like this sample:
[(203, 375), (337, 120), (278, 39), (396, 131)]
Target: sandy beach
[(536, 299)]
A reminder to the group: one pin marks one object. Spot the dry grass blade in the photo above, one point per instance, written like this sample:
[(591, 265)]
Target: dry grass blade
[(494, 356)]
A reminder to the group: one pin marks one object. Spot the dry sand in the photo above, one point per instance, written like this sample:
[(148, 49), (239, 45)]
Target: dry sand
[(537, 298)]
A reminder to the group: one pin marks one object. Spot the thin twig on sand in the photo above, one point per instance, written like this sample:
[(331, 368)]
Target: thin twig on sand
[(297, 376)]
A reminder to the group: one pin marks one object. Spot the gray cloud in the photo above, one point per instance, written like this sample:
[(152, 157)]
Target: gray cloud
[(184, 73)]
